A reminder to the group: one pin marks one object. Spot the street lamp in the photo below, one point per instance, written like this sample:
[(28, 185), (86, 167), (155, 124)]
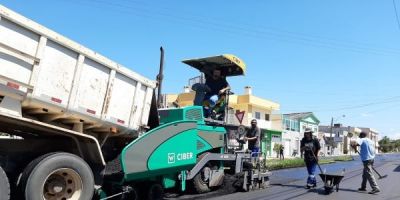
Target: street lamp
[(332, 140)]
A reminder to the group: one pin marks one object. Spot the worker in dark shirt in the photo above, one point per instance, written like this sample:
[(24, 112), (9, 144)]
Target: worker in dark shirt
[(253, 138), (310, 146)]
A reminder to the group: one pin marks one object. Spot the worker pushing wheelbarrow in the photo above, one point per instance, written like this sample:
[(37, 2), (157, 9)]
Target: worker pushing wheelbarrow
[(310, 146)]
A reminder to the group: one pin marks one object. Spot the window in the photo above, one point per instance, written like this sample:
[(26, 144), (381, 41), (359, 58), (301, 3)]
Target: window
[(276, 138), (258, 115), (286, 124), (292, 125), (266, 117)]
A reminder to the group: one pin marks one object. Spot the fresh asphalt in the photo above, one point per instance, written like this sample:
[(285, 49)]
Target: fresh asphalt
[(289, 184)]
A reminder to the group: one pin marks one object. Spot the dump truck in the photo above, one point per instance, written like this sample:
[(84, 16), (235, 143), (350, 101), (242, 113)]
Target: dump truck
[(77, 125)]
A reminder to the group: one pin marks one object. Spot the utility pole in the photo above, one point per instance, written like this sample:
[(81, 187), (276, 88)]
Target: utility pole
[(332, 140)]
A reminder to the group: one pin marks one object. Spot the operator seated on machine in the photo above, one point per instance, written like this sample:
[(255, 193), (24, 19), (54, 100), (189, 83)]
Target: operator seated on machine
[(211, 95)]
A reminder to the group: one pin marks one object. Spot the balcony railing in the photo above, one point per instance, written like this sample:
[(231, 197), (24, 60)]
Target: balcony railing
[(261, 123), (264, 124)]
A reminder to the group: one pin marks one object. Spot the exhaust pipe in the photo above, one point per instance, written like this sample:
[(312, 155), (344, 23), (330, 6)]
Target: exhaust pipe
[(160, 77)]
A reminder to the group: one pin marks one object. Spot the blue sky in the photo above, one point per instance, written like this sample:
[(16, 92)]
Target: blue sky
[(330, 57)]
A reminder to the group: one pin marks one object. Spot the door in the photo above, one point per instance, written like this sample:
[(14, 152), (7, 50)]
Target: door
[(288, 148)]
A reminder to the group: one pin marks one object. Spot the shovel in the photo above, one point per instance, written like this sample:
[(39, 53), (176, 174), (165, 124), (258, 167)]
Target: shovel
[(319, 166), (373, 168)]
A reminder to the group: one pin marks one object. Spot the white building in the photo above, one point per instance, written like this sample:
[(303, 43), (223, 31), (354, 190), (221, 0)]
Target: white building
[(340, 136), (373, 135), (293, 127)]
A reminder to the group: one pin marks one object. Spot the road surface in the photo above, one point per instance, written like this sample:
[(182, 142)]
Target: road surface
[(287, 184)]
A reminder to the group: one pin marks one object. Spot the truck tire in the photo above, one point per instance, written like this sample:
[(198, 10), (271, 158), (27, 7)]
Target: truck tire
[(57, 175), (5, 186), (23, 177)]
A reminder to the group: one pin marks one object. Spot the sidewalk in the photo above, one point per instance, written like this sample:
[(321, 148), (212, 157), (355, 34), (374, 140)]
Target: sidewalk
[(276, 164)]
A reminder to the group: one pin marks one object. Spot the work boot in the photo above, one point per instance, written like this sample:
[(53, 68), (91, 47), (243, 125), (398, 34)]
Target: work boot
[(310, 185), (362, 189), (373, 191)]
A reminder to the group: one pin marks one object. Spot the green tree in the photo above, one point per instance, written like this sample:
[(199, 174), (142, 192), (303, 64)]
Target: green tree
[(397, 145), (385, 144), (276, 148)]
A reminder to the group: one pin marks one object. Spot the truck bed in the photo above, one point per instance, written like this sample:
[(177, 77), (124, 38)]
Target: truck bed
[(57, 79)]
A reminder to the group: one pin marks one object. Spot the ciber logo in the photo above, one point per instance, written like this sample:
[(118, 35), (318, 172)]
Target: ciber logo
[(171, 158), (179, 157)]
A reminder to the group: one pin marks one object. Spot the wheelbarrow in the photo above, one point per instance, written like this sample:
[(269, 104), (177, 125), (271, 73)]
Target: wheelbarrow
[(330, 180)]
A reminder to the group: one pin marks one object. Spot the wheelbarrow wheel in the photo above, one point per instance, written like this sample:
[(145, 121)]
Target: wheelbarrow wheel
[(328, 190)]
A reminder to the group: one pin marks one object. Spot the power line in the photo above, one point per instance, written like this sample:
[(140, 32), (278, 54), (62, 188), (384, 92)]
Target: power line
[(349, 103), (393, 106), (274, 29), (388, 100), (397, 16), (226, 27), (235, 29), (394, 99), (383, 109)]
